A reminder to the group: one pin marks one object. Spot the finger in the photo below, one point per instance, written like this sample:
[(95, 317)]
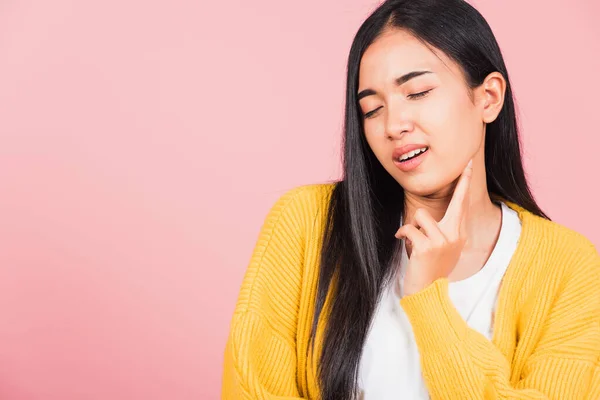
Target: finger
[(411, 233), (458, 203), (430, 226)]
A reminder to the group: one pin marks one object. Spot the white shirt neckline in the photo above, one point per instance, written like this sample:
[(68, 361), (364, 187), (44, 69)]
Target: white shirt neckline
[(497, 256), (390, 361)]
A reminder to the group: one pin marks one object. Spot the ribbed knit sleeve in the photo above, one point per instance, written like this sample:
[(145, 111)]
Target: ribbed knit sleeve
[(260, 357), (459, 363)]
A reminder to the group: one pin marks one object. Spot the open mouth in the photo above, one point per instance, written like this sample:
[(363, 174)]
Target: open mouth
[(411, 155)]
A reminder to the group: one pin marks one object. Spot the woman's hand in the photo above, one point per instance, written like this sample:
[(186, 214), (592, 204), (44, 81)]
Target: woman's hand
[(436, 246)]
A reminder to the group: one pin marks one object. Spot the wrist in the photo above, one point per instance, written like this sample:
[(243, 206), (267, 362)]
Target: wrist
[(411, 288)]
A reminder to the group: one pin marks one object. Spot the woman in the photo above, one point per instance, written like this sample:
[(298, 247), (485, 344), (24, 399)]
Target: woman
[(428, 271)]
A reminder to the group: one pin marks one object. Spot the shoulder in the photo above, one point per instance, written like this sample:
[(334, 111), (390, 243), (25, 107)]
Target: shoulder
[(561, 247), (297, 215), (560, 238), (315, 192), (274, 276), (301, 204)]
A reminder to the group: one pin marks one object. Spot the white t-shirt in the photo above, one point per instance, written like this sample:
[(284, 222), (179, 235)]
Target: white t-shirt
[(389, 367)]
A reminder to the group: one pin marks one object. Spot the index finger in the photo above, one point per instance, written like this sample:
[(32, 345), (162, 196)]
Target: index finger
[(461, 194)]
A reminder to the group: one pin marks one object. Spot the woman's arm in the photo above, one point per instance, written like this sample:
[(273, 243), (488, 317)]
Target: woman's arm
[(460, 363), (260, 356), (260, 363)]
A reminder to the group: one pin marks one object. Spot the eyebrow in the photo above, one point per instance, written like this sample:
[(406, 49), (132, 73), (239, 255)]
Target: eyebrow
[(399, 82)]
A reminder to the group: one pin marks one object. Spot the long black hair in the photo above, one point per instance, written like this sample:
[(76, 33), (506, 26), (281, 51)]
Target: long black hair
[(367, 203)]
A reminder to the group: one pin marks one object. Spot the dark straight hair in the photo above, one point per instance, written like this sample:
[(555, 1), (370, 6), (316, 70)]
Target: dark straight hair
[(367, 203)]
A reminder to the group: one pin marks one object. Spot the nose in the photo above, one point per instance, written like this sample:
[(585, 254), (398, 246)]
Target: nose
[(398, 122)]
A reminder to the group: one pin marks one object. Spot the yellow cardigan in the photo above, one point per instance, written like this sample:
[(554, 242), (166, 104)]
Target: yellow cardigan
[(546, 340)]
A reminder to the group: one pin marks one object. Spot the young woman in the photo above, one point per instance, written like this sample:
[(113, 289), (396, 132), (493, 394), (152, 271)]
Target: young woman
[(428, 271)]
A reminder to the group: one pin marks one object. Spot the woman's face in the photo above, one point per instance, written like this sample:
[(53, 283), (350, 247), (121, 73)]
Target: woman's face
[(432, 110)]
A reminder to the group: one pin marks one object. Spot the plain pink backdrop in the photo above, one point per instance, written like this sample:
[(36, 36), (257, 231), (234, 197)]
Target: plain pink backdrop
[(143, 142)]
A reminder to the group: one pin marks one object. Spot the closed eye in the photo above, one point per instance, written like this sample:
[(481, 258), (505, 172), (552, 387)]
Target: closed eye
[(370, 113), (413, 96), (418, 95)]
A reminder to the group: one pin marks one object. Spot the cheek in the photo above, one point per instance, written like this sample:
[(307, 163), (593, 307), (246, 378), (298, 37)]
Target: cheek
[(453, 126)]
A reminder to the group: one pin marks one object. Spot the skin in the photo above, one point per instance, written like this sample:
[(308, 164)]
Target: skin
[(450, 231)]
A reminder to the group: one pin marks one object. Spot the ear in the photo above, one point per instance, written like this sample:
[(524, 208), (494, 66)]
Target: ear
[(491, 96)]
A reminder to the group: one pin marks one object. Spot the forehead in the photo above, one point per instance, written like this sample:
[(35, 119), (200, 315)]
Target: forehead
[(397, 52)]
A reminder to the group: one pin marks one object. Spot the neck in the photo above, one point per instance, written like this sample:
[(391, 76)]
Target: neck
[(482, 214)]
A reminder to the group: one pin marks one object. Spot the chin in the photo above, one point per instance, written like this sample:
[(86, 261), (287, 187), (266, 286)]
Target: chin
[(425, 186)]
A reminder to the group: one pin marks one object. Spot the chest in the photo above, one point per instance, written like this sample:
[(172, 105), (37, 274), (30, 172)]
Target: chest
[(514, 330), (469, 264), (390, 362)]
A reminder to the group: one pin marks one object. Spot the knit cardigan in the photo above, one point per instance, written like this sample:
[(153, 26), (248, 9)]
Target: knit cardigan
[(546, 338)]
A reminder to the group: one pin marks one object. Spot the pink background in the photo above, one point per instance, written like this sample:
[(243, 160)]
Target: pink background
[(143, 142)]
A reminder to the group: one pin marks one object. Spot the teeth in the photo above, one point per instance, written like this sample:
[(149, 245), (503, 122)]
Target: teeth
[(410, 154)]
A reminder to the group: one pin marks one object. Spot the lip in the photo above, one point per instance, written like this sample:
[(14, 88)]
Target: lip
[(405, 149), (413, 162)]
